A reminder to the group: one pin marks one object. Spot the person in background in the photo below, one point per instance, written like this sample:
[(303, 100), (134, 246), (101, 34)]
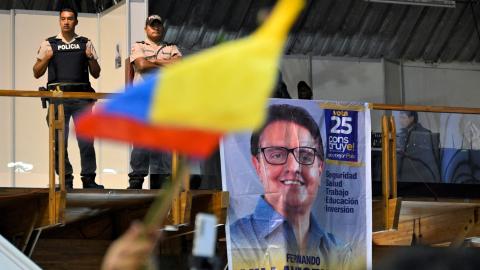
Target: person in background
[(281, 90), (408, 121), (417, 151), (304, 91), (69, 59), (148, 56)]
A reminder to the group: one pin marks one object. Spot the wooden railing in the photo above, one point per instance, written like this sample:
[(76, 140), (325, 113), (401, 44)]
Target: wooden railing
[(56, 125), (52, 94), (421, 108), (390, 203), (57, 196)]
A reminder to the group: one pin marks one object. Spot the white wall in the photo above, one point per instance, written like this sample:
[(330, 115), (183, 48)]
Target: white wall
[(29, 116), (393, 82), (5, 49), (295, 69), (348, 80), (455, 84), (335, 78), (6, 103), (137, 21), (112, 32), (442, 84), (113, 158)]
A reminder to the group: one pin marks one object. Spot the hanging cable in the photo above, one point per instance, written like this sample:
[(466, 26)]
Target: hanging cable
[(475, 17)]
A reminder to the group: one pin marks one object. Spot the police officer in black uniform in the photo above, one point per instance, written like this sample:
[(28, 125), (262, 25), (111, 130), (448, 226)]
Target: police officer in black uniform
[(69, 59)]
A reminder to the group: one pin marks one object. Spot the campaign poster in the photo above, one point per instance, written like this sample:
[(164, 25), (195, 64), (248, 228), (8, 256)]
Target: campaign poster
[(300, 188)]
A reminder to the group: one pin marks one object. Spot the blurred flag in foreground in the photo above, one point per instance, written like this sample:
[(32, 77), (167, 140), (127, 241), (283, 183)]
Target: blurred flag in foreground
[(188, 106)]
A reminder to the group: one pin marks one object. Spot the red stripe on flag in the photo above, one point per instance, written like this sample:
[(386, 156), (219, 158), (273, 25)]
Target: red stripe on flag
[(190, 142)]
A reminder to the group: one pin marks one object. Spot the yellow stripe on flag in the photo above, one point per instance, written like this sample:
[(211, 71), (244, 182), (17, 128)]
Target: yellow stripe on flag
[(226, 87)]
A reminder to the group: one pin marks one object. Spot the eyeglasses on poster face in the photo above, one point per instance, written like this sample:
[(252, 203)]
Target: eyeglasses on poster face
[(277, 155)]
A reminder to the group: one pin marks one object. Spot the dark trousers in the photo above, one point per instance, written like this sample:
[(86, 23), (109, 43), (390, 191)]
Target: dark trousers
[(143, 161), (72, 108)]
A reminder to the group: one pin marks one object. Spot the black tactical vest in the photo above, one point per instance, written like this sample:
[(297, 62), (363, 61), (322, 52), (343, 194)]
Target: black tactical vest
[(69, 63)]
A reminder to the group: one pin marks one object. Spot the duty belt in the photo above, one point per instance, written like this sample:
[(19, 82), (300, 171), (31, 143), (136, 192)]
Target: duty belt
[(70, 87)]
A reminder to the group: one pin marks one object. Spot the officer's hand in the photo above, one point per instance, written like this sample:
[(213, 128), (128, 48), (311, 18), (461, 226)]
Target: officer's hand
[(88, 52), (48, 53), (158, 62)]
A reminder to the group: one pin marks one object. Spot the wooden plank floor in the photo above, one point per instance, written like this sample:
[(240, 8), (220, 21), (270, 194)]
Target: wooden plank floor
[(20, 205), (432, 222)]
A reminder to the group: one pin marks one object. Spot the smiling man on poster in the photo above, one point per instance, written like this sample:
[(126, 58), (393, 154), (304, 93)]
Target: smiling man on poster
[(288, 157)]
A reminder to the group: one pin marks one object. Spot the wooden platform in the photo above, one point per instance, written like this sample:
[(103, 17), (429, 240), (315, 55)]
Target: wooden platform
[(415, 221), (434, 222), (27, 210), (444, 223)]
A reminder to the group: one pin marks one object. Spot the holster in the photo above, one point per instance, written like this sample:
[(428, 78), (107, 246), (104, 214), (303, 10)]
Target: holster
[(44, 100)]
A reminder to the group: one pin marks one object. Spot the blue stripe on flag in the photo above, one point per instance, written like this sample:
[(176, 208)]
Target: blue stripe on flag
[(136, 101)]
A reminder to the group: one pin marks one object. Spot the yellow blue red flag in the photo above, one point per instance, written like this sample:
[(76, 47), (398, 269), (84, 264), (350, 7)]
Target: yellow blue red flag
[(188, 106)]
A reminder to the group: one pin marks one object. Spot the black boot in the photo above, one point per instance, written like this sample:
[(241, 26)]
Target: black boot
[(69, 182), (195, 181), (89, 182), (158, 180), (135, 183)]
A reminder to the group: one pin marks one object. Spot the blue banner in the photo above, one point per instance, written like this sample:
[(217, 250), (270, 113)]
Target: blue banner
[(342, 138)]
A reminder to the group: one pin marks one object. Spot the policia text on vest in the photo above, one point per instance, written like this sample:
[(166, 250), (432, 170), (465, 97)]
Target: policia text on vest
[(69, 66)]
